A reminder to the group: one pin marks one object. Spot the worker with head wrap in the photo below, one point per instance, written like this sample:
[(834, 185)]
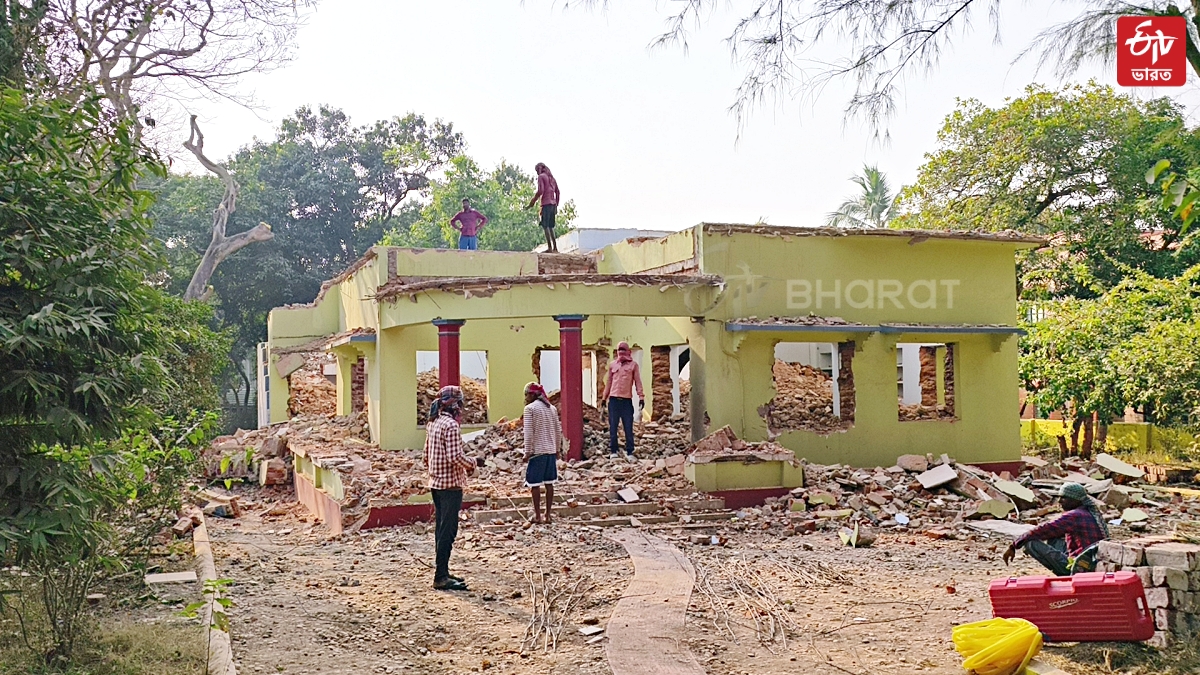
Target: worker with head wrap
[(448, 467), (624, 376), (1067, 544), (543, 441)]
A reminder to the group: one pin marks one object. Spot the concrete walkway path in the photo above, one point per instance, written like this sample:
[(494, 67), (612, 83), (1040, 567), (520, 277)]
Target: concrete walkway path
[(645, 631)]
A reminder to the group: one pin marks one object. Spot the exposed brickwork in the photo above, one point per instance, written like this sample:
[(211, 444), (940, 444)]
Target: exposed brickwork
[(949, 366), (846, 380), (661, 385), (358, 385), (928, 377)]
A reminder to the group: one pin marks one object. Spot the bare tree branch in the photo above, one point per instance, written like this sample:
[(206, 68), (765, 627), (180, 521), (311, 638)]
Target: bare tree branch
[(221, 247)]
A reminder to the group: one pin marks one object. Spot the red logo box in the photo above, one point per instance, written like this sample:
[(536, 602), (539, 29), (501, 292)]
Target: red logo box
[(1151, 51)]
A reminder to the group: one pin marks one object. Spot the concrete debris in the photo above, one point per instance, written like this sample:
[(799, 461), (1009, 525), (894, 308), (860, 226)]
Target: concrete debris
[(937, 476), (170, 578), (310, 392), (474, 397), (913, 463), (1116, 466), (803, 400)]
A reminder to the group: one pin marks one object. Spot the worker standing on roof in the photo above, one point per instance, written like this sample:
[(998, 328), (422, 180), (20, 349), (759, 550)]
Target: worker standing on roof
[(468, 223), (624, 376), (1067, 544), (543, 441), (547, 191), (448, 467)]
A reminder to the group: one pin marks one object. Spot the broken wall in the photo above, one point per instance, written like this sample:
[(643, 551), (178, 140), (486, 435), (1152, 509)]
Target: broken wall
[(739, 385)]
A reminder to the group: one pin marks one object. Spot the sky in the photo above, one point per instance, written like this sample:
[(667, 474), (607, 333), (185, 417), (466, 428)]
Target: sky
[(636, 137)]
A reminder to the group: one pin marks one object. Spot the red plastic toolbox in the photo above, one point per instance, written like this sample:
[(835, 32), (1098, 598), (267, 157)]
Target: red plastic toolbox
[(1090, 607)]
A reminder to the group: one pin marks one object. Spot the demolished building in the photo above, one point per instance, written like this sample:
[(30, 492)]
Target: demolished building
[(892, 342)]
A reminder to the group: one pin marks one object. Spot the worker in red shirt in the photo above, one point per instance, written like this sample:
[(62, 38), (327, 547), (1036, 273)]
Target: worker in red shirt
[(624, 376), (468, 223), (547, 192)]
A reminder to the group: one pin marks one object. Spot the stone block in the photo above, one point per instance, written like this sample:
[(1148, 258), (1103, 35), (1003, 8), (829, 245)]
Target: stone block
[(1195, 581), (1185, 601), (1174, 554), (1170, 577), (1133, 555), (1145, 575), (1159, 598), (1110, 551), (1161, 639), (1172, 620), (913, 463)]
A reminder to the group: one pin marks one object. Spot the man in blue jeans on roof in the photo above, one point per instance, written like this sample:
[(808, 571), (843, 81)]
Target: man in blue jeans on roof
[(468, 223)]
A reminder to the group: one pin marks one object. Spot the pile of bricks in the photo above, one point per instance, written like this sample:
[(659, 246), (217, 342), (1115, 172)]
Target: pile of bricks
[(1170, 571), (309, 391), (803, 400), (661, 384), (474, 397)]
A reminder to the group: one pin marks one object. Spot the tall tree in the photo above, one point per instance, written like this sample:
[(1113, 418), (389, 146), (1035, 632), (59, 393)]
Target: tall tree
[(873, 206), (143, 54), (327, 188), (797, 48), (1069, 163)]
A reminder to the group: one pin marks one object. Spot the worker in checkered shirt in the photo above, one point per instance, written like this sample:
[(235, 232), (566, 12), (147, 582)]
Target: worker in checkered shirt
[(543, 442), (448, 468), (1067, 544)]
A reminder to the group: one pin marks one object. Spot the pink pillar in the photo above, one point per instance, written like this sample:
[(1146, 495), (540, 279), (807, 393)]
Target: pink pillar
[(448, 356), (570, 355)]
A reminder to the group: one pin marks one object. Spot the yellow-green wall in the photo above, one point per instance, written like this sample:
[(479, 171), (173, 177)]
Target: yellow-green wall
[(1128, 436)]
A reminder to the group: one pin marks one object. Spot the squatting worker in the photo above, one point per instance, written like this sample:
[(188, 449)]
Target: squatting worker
[(623, 377), (543, 441), (547, 192), (468, 223), (448, 468), (1067, 544)]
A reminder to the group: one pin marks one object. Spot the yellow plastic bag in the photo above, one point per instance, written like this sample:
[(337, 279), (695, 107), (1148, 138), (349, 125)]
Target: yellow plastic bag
[(997, 646)]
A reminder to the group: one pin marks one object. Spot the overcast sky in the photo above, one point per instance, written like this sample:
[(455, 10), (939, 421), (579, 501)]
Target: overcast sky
[(636, 138)]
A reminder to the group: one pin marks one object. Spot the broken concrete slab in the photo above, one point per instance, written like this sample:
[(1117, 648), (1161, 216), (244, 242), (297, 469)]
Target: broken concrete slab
[(1132, 515), (913, 463), (1005, 527), (628, 495), (992, 507), (1016, 490), (171, 578), (1114, 465), (938, 475)]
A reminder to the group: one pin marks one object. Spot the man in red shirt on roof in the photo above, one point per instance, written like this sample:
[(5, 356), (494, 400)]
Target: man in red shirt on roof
[(468, 223), (547, 191)]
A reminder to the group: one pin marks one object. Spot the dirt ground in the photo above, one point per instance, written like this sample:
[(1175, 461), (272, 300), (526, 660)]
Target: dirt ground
[(363, 603)]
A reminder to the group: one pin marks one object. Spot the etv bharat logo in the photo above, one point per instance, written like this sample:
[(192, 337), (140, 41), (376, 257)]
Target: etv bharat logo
[(1151, 51)]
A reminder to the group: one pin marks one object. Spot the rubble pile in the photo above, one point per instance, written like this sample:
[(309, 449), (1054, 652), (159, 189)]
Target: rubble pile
[(241, 454), (942, 498), (803, 400), (309, 391), (1170, 572), (661, 384), (919, 411), (474, 397)]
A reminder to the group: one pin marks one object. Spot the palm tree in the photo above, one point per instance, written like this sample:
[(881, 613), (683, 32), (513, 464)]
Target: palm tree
[(874, 207)]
